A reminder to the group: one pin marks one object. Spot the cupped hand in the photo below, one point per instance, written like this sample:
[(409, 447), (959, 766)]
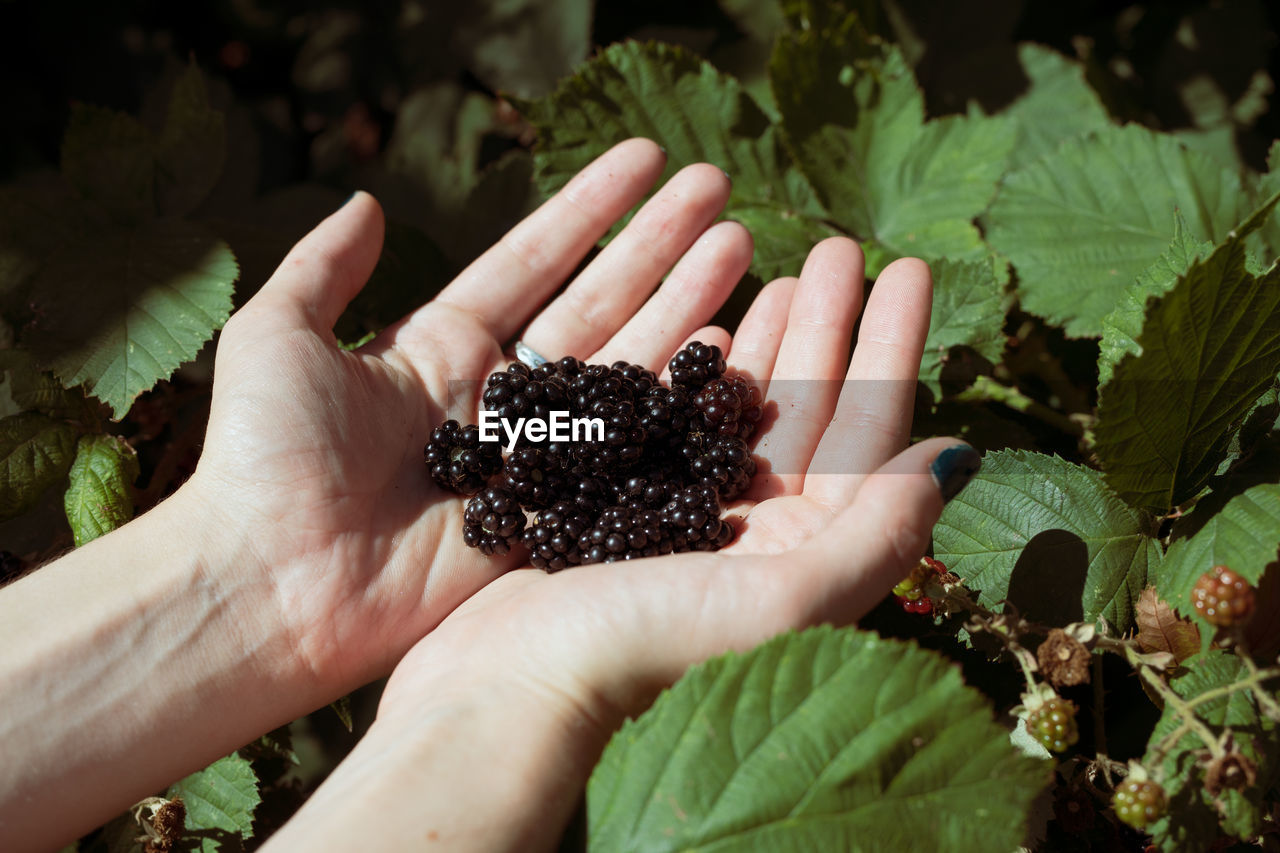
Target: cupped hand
[(313, 455), (841, 512)]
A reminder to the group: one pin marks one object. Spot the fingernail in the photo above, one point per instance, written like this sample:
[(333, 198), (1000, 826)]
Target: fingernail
[(728, 176), (663, 149), (953, 468)]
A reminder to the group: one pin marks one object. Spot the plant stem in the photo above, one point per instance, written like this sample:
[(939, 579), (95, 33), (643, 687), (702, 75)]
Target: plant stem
[(1184, 709), (985, 389), (1264, 699)]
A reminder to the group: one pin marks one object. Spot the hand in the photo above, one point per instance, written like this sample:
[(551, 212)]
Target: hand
[(493, 722), (314, 454)]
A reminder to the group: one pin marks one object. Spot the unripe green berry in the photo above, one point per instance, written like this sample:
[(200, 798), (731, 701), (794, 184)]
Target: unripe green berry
[(1054, 724), (1139, 802)]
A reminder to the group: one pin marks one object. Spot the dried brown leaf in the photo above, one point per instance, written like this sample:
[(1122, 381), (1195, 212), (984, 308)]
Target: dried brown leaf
[(1160, 629)]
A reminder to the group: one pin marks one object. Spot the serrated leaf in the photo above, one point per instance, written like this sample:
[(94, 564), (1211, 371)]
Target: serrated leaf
[(699, 115), (124, 311), (35, 452), (1122, 327), (1244, 535), (192, 147), (1059, 104), (855, 121), (969, 306), (110, 158), (100, 496), (1161, 630), (222, 797), (36, 390), (824, 740), (1193, 817), (1208, 350), (1080, 224), (1269, 185), (1050, 537)]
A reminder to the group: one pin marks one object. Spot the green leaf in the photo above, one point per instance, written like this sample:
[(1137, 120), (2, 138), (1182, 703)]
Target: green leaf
[(1050, 537), (123, 311), (35, 452), (855, 121), (1123, 326), (700, 116), (36, 217), (1193, 817), (1244, 535), (1082, 223), (192, 147), (220, 800), (1058, 105), (1269, 185), (969, 305), (100, 497), (37, 390), (824, 740), (1210, 347), (110, 158)]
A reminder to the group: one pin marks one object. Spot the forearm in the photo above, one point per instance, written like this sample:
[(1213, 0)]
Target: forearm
[(484, 768), (129, 663)]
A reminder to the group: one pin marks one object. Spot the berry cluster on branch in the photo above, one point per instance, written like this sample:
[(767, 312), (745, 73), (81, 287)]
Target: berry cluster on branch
[(654, 483)]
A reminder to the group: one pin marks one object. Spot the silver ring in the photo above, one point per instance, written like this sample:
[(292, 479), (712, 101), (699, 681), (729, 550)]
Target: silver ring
[(528, 356)]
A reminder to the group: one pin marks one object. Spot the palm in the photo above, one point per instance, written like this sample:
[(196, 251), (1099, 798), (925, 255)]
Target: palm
[(322, 447)]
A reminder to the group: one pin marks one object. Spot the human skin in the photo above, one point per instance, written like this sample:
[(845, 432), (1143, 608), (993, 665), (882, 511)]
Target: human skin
[(309, 553)]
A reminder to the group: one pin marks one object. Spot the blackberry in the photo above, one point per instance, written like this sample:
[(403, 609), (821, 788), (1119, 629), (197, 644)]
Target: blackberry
[(493, 521), (641, 378), (645, 492), (730, 406), (524, 392), (552, 539), (1139, 802), (1054, 724), (625, 533), (726, 464), (458, 460), (696, 365), (1222, 597), (532, 477), (665, 413), (694, 519), (622, 443)]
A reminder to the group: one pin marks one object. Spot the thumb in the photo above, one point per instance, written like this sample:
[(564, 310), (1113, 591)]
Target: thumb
[(887, 527), (327, 268)]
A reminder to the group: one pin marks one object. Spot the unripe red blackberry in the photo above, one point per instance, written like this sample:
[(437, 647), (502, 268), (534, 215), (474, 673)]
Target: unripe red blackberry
[(458, 460), (1222, 597), (1054, 724), (1139, 802), (696, 365)]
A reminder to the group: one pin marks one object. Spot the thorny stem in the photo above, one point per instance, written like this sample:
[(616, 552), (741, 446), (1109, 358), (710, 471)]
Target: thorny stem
[(1256, 676), (1184, 710), (985, 389)]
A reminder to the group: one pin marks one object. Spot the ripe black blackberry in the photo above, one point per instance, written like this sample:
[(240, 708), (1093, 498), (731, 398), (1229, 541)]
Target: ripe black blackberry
[(493, 521), (696, 365), (693, 516), (459, 460), (730, 406), (625, 533), (532, 476), (665, 413), (726, 464), (552, 539), (524, 392), (642, 377), (650, 492), (623, 441)]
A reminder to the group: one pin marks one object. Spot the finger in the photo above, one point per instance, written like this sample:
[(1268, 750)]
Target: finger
[(600, 300), (755, 345), (326, 269), (887, 527), (700, 283), (811, 360), (873, 418), (505, 285)]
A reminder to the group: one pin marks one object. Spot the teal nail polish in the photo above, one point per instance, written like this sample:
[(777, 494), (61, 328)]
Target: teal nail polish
[(953, 468)]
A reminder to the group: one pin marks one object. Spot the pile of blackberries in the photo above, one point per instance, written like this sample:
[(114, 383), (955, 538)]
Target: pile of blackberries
[(655, 484)]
